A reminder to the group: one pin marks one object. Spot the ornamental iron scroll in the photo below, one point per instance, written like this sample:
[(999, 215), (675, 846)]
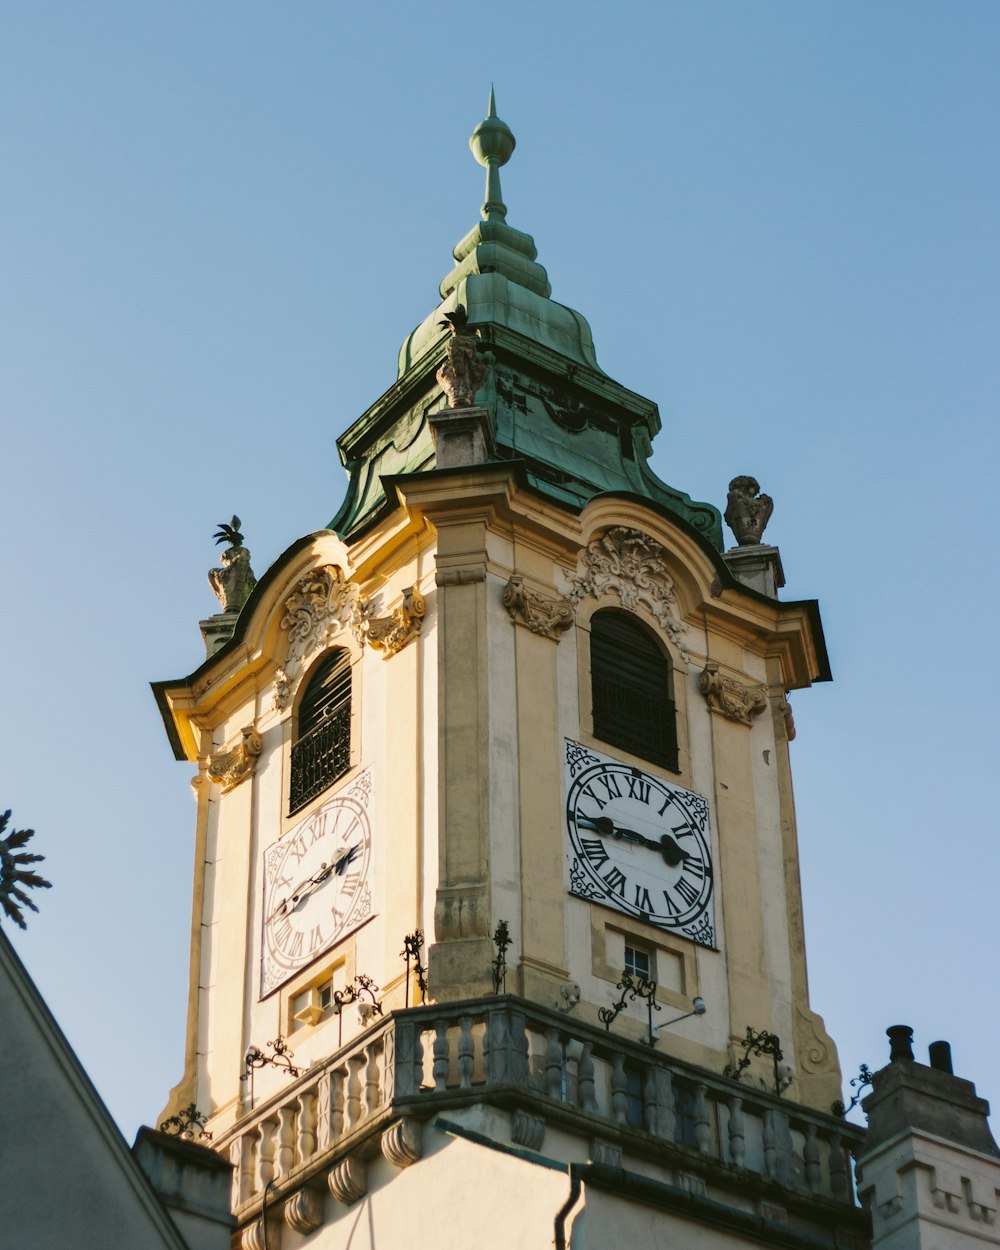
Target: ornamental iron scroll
[(188, 1124), (320, 605), (542, 614), (767, 1045), (501, 940), (413, 944), (632, 565), (729, 697), (229, 768), (632, 987), (280, 1057)]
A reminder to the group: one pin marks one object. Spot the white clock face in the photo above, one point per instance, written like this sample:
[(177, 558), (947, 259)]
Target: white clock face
[(317, 883), (639, 844)]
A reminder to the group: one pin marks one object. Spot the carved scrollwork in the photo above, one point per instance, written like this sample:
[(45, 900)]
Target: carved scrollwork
[(304, 1211), (229, 768), (631, 564), (403, 1142), (321, 603), (348, 1179), (542, 614), (391, 633), (730, 697)]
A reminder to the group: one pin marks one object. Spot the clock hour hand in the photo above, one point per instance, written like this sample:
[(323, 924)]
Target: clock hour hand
[(673, 854), (338, 866)]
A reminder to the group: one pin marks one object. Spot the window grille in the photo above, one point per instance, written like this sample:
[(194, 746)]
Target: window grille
[(632, 689), (321, 751)]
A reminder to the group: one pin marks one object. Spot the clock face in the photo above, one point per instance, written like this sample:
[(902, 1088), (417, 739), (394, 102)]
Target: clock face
[(317, 883), (639, 844)]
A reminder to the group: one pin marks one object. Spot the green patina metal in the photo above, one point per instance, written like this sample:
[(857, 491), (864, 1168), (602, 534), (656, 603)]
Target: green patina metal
[(576, 431)]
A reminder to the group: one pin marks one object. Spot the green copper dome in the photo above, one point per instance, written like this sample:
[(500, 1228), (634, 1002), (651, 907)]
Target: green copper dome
[(574, 431)]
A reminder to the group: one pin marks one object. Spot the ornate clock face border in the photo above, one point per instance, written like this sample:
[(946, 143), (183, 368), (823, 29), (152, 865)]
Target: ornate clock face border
[(317, 884), (639, 844)]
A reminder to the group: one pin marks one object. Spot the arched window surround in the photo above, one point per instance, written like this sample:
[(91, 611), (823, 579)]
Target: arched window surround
[(326, 755), (681, 772)]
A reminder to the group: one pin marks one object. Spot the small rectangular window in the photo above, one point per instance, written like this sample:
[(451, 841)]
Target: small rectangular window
[(638, 962)]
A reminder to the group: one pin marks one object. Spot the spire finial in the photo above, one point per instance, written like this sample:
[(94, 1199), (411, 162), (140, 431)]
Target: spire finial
[(492, 144)]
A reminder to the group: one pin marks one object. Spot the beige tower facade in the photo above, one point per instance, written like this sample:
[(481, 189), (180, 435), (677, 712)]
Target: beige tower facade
[(518, 715)]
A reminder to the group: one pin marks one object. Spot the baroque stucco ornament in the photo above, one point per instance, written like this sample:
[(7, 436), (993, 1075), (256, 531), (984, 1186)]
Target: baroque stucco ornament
[(747, 510), (391, 633), (320, 605), (631, 564), (730, 697), (229, 768), (542, 614)]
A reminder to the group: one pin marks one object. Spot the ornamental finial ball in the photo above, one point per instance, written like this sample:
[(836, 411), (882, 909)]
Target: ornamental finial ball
[(492, 141)]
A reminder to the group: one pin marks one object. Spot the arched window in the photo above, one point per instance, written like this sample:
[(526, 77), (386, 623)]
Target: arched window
[(632, 687), (321, 751)]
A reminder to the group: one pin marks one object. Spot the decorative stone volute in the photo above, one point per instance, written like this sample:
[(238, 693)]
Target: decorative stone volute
[(403, 1142), (322, 603), (229, 768), (463, 372), (542, 614), (730, 697), (234, 581), (747, 510), (391, 633), (348, 1179)]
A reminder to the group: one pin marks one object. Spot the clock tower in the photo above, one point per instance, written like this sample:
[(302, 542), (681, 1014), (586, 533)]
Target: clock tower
[(495, 844)]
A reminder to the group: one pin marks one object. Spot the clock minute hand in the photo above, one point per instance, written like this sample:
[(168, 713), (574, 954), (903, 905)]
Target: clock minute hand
[(301, 890), (673, 854)]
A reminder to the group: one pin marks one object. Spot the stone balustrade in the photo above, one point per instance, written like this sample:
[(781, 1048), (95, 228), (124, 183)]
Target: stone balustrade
[(623, 1097)]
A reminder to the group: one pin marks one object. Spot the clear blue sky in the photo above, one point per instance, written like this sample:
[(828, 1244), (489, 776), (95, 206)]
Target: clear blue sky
[(219, 222)]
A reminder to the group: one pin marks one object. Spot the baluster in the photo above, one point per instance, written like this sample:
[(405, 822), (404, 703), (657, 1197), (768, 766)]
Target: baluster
[(650, 1118), (466, 1052), (305, 1141), (286, 1139), (408, 1057), (770, 1151), (783, 1147), (337, 1080), (811, 1156), (324, 1127), (586, 1091), (240, 1155), (737, 1132), (553, 1064), (440, 1068), (265, 1155), (838, 1168), (702, 1128), (373, 1091), (666, 1125), (619, 1088), (352, 1097)]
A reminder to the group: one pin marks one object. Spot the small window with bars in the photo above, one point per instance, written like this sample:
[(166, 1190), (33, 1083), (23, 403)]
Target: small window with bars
[(321, 751), (632, 688)]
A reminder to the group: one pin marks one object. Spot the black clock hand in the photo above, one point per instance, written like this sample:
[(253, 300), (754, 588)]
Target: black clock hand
[(673, 854), (305, 888)]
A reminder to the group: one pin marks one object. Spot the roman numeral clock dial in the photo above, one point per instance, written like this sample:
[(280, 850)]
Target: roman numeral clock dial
[(316, 884), (639, 844)]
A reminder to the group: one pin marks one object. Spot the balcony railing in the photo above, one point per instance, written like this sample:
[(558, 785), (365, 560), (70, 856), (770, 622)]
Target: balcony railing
[(427, 1059)]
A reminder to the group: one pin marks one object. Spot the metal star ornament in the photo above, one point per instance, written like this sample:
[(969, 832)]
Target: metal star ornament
[(14, 877)]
